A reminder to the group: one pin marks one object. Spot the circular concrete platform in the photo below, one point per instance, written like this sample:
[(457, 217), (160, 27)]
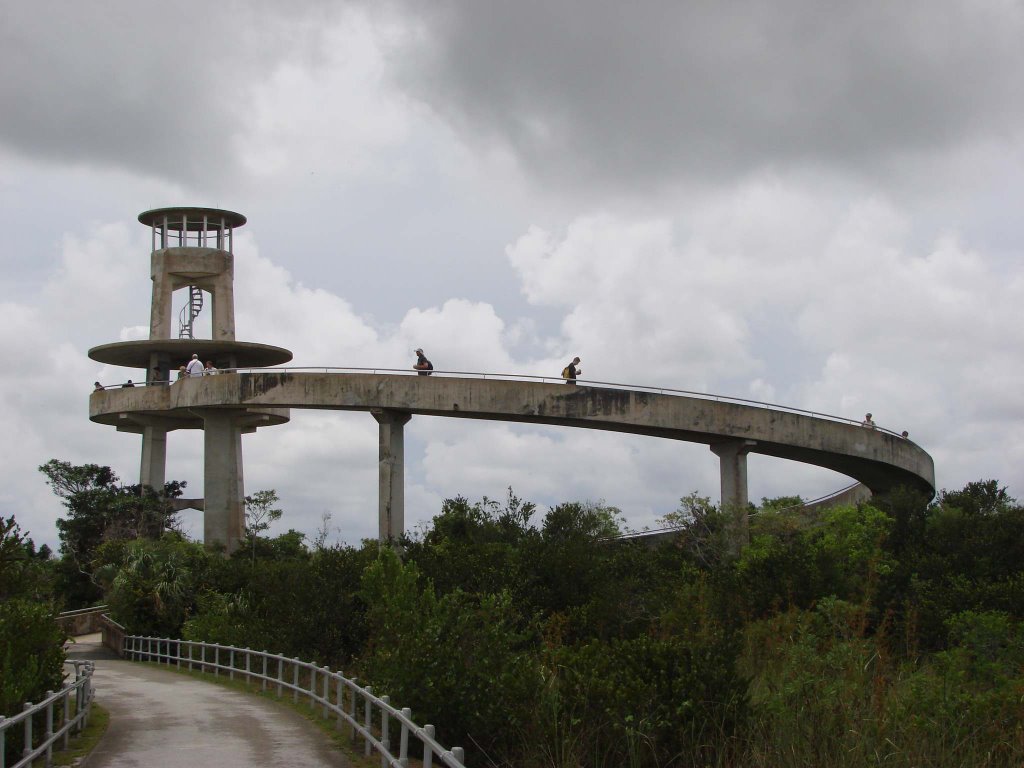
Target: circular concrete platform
[(136, 354)]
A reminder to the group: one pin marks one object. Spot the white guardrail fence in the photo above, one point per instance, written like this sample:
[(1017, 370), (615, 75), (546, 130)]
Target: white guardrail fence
[(324, 690), (67, 710)]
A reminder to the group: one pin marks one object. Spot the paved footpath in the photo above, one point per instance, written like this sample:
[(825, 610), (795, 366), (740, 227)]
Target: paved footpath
[(171, 720)]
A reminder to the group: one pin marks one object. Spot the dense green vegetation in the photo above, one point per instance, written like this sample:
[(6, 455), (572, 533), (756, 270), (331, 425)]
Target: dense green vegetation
[(31, 655), (887, 634)]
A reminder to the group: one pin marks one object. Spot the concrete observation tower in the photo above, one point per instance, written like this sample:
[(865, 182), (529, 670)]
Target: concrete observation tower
[(192, 250)]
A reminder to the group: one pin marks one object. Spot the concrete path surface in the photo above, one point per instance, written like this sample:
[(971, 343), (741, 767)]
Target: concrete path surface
[(160, 718)]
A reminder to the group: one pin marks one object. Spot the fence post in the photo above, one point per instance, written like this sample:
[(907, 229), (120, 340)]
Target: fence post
[(202, 657), (3, 741), (79, 695), (49, 729), (177, 652), (67, 718), (248, 670), (216, 661), (341, 703), (280, 673), (90, 692), (28, 731), (231, 662), (459, 754), (352, 709), (403, 745), (385, 738), (264, 669), (428, 750), (295, 680), (312, 688), (327, 691), (367, 721)]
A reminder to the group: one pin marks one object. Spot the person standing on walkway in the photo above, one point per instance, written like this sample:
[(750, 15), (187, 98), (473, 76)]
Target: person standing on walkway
[(423, 365), (209, 370), (868, 421), (194, 367), (570, 372)]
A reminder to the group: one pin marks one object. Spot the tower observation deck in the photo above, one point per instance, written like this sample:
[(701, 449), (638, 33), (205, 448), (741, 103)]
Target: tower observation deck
[(193, 250)]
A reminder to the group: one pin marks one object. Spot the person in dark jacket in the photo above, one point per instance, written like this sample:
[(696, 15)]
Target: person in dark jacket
[(423, 365)]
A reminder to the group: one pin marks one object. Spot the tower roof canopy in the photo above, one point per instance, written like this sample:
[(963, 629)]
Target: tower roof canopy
[(192, 219)]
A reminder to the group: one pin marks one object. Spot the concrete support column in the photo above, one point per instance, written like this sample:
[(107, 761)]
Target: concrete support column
[(391, 455), (163, 286), (154, 457), (222, 296), (224, 503), (732, 461)]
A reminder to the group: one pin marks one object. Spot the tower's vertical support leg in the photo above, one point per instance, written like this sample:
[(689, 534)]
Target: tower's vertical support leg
[(224, 504), (223, 300), (163, 286), (732, 460), (154, 457), (391, 455)]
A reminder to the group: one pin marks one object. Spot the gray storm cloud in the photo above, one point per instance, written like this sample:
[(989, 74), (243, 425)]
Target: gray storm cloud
[(158, 89), (644, 93)]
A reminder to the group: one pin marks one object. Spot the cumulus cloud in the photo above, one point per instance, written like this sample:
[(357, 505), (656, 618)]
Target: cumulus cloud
[(46, 384), (783, 296), (637, 306)]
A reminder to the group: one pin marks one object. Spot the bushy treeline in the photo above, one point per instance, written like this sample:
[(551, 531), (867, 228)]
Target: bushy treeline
[(31, 653), (886, 634)]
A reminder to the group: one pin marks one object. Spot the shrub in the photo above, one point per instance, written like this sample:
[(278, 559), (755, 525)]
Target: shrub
[(459, 661), (31, 661), (648, 700)]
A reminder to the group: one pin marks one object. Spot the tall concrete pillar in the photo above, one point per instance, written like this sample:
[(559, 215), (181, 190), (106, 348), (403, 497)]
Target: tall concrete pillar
[(222, 297), (163, 290), (732, 463), (154, 457), (391, 467), (224, 503)]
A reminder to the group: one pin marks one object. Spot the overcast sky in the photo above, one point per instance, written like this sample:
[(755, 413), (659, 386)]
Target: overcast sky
[(813, 204)]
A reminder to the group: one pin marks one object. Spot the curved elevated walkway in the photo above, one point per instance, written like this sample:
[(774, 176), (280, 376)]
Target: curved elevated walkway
[(878, 459)]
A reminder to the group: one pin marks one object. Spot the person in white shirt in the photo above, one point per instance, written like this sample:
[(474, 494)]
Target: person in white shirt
[(194, 367), (209, 370)]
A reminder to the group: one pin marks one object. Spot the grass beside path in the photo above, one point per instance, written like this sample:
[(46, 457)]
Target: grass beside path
[(80, 745)]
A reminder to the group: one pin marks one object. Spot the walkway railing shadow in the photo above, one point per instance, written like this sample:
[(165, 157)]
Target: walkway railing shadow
[(369, 716)]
